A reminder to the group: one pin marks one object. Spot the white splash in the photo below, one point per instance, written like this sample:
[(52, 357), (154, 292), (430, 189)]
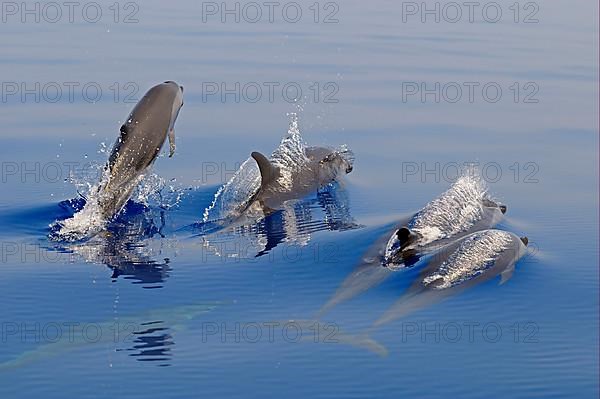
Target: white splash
[(233, 197), (455, 211), (234, 194), (290, 156), (474, 255), (91, 220)]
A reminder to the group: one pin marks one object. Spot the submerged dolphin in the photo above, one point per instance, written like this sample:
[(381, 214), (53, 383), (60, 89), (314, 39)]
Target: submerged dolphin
[(367, 274), (136, 331), (463, 209), (474, 259), (141, 139)]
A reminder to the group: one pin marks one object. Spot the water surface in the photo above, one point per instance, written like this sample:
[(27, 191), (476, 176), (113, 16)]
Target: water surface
[(178, 310)]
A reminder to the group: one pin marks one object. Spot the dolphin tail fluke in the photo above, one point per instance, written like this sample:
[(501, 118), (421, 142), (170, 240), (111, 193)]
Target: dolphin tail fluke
[(268, 171), (330, 333), (361, 341), (365, 342), (403, 307)]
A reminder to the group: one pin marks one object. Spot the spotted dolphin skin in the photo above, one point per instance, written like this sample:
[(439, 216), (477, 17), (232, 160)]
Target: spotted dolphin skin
[(474, 259), (140, 141), (463, 209)]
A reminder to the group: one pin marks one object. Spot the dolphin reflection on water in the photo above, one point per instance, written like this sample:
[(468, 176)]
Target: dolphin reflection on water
[(127, 246), (293, 224)]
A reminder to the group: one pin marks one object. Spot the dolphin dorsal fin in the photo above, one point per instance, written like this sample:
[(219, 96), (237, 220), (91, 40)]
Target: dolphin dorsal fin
[(268, 172), (405, 236)]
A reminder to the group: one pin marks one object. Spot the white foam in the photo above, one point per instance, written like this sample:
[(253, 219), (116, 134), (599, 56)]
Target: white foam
[(456, 210), (91, 219), (234, 195)]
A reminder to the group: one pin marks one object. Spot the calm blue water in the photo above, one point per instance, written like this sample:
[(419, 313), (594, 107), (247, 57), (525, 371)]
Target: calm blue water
[(155, 309)]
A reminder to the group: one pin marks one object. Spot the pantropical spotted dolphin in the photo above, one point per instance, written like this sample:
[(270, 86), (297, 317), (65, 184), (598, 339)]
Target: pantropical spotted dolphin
[(320, 167), (143, 335), (474, 259), (263, 184), (140, 141), (463, 209)]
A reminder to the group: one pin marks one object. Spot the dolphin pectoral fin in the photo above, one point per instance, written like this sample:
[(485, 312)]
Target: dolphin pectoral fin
[(268, 172), (506, 275), (171, 142)]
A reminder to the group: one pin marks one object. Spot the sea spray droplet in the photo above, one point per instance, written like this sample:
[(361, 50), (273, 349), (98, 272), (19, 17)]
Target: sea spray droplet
[(234, 195)]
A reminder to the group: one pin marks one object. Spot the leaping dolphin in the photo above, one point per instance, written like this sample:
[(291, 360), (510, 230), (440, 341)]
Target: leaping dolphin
[(140, 141)]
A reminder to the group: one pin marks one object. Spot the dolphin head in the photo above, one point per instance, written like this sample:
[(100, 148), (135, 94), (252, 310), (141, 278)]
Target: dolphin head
[(332, 163), (177, 101), (338, 162), (488, 203)]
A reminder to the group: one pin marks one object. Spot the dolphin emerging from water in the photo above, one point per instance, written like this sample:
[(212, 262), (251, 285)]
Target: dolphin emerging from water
[(321, 167), (140, 141), (474, 259), (264, 184), (463, 209)]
